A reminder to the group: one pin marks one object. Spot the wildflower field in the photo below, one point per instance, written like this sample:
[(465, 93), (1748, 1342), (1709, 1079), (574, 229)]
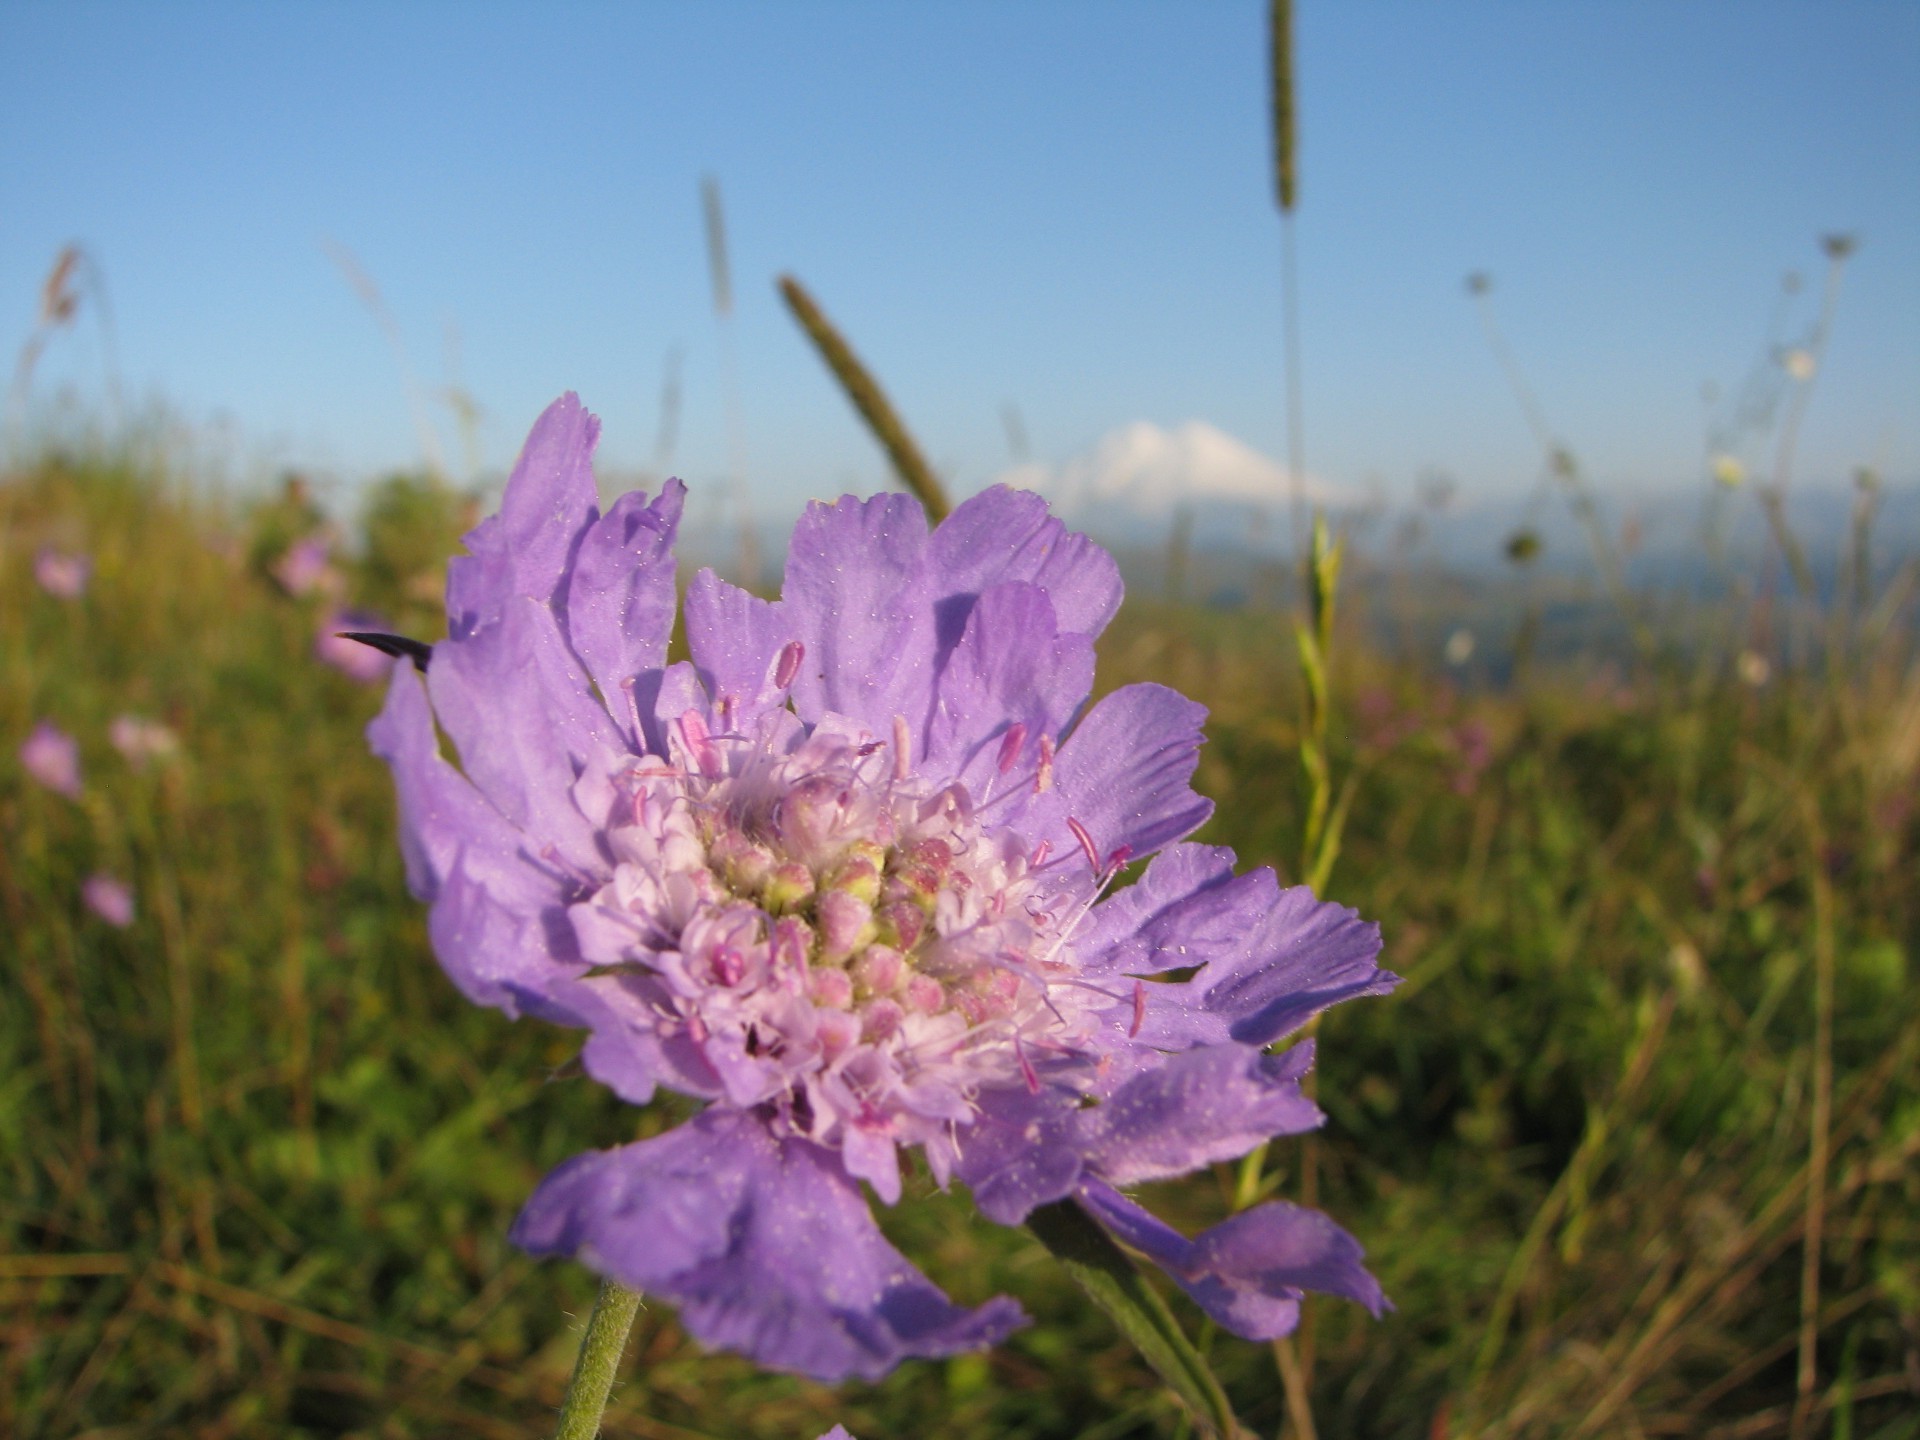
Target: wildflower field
[(1633, 1149)]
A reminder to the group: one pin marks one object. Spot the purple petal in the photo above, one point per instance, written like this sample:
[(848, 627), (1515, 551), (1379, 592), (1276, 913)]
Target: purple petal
[(620, 599), (625, 1051), (1123, 773), (1011, 667), (1198, 1107), (1249, 1271), (1004, 534), (516, 704), (1186, 909), (1020, 1151), (857, 594), (495, 913), (527, 548), (736, 640), (1270, 959), (764, 1244)]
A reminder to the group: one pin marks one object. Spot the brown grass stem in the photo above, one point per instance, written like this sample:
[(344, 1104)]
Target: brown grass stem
[(868, 398)]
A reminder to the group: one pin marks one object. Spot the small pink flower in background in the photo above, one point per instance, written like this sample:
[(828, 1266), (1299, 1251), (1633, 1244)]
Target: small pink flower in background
[(307, 567), (50, 756), (352, 659), (1474, 744), (110, 899), (62, 575), (141, 739)]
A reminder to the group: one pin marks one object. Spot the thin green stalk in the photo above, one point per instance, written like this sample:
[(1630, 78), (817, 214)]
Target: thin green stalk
[(1112, 1281), (869, 399), (600, 1351)]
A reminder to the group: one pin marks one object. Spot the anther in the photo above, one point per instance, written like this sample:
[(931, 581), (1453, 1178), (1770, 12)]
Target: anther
[(1027, 1072), (1043, 777), (902, 748), (789, 664), (1139, 1009), (1015, 737), (699, 742), (1086, 844), (1117, 861), (633, 709)]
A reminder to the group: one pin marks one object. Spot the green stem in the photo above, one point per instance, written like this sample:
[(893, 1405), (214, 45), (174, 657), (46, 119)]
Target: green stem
[(1115, 1284), (600, 1351)]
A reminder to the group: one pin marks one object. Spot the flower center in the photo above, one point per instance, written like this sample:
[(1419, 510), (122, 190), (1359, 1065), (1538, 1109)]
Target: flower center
[(848, 942)]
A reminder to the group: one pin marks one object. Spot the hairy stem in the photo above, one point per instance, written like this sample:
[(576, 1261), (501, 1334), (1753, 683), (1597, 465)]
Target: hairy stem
[(600, 1351)]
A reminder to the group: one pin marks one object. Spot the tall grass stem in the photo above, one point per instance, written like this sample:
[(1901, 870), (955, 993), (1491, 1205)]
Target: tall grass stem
[(869, 399)]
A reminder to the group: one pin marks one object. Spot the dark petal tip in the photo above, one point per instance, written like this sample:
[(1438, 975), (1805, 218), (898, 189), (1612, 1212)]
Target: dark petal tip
[(399, 646)]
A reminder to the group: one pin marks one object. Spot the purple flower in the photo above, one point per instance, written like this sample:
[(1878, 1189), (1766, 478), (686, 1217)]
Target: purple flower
[(307, 566), (110, 899), (351, 658), (841, 876), (61, 574), (50, 756)]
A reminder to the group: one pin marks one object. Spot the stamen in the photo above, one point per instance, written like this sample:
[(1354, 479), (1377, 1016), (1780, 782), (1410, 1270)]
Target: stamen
[(567, 868), (902, 749), (1139, 1009), (1117, 861), (1043, 777), (1015, 737), (633, 709), (699, 742), (1027, 1072), (788, 665), (1040, 853), (1086, 844)]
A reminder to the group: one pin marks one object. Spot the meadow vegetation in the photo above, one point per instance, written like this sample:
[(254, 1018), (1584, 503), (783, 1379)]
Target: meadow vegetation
[(1635, 1148)]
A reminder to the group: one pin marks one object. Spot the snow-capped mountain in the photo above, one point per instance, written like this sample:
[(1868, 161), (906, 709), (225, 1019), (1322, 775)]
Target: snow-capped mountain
[(1136, 478)]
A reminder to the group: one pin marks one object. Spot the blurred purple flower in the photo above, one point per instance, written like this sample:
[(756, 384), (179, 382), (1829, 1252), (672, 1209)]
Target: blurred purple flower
[(140, 739), (307, 567), (840, 876), (838, 1432), (50, 756), (110, 899), (1473, 744), (351, 658), (62, 574)]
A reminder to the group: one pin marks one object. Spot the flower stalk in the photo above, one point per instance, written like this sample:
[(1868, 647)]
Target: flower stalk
[(1115, 1284), (600, 1351)]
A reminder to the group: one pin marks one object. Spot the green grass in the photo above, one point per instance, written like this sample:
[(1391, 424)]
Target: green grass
[(257, 1158)]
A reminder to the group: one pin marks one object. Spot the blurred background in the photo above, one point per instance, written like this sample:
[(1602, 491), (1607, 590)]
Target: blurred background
[(1600, 357)]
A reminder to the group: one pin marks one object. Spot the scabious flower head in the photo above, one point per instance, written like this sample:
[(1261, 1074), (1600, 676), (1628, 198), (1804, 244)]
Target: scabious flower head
[(62, 574), (110, 899), (846, 875), (52, 757), (351, 658)]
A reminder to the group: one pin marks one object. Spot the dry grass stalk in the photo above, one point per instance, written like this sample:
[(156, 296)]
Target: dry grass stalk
[(868, 398)]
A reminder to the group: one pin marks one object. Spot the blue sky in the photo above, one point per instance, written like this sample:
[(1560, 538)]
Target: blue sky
[(1065, 207)]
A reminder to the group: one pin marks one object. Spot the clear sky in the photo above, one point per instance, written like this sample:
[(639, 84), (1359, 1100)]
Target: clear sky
[(1065, 207)]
